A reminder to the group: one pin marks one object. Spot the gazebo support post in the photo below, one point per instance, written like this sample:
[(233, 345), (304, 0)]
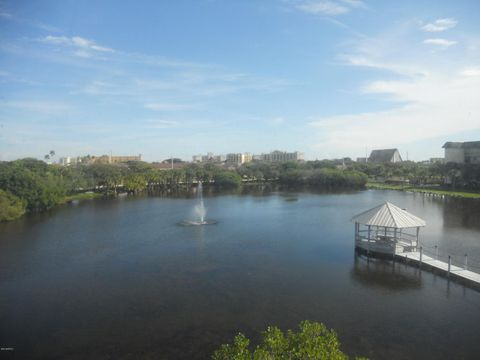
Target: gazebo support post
[(418, 230), (394, 240), (357, 226), (368, 241)]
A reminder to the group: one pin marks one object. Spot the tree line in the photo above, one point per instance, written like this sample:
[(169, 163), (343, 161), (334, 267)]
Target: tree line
[(29, 185)]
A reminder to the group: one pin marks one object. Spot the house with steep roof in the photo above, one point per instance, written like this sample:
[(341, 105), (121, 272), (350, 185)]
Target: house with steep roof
[(384, 156), (467, 152)]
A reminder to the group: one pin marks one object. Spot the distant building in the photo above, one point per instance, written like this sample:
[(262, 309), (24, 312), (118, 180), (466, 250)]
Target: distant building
[(384, 156), (210, 157), (281, 156), (104, 159), (123, 159), (436, 160), (168, 165), (66, 161), (242, 158), (362, 160), (462, 152), (238, 158)]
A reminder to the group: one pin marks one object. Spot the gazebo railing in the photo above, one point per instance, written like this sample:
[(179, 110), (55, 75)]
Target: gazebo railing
[(389, 235)]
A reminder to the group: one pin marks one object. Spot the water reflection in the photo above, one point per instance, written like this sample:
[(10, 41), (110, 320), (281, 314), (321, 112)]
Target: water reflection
[(386, 274), (113, 278), (460, 213)]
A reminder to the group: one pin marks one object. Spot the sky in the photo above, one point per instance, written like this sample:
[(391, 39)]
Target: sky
[(330, 78)]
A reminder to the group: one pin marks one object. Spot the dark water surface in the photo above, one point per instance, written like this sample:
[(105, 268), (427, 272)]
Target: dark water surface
[(119, 279)]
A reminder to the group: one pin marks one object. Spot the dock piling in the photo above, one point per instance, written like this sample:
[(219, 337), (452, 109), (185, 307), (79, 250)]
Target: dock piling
[(449, 264)]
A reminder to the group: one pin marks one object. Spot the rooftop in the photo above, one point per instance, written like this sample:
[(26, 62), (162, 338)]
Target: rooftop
[(461, 145), (383, 155), (389, 215)]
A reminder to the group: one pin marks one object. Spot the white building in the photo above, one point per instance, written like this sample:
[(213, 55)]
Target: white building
[(282, 156), (67, 161), (209, 157), (462, 152), (239, 158)]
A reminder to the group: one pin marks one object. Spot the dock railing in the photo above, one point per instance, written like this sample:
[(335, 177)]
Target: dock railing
[(464, 261)]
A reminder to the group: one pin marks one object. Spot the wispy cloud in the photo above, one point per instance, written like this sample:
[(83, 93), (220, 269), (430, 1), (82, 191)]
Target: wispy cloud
[(167, 106), (440, 42), (162, 124), (424, 104), (328, 7), (81, 47), (6, 15), (440, 25), (38, 106), (471, 71)]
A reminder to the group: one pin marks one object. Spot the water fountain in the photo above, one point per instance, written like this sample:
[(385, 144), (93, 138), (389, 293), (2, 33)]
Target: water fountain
[(200, 211)]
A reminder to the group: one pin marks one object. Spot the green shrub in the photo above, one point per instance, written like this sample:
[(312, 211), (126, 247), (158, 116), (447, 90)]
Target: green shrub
[(227, 179), (11, 206), (313, 341)]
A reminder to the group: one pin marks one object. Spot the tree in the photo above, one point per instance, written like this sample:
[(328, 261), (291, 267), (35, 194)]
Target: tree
[(134, 182), (227, 179), (11, 206), (313, 341), (34, 181)]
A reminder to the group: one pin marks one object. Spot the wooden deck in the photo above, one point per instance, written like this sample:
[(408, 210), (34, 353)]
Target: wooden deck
[(455, 271)]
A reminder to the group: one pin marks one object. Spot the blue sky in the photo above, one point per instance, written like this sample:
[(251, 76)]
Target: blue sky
[(328, 78)]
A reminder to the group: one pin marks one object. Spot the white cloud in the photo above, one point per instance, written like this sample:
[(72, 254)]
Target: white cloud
[(354, 3), (436, 106), (162, 124), (323, 7), (435, 96), (440, 42), (471, 71), (440, 25), (5, 14), (328, 7), (83, 47), (43, 107)]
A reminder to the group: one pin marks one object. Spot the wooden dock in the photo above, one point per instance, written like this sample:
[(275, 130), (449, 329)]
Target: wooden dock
[(444, 268), (391, 232)]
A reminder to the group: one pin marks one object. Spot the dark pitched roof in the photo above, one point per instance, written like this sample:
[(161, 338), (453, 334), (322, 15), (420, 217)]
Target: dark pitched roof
[(381, 156)]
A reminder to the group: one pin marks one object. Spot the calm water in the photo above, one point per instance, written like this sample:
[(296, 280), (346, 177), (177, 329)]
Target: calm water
[(119, 279)]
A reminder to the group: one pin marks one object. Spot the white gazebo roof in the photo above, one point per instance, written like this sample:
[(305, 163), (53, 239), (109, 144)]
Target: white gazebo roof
[(389, 215)]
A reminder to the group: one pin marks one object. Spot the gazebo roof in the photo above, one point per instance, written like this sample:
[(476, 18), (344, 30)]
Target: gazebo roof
[(389, 215)]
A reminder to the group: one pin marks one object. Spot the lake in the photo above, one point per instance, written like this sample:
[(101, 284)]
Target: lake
[(119, 279)]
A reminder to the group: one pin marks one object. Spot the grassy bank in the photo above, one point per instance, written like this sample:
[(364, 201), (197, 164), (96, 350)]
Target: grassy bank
[(461, 194)]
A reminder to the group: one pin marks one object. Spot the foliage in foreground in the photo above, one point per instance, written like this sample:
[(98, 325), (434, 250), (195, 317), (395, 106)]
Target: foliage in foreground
[(313, 341)]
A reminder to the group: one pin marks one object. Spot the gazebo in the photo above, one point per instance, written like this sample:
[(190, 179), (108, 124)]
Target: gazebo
[(387, 229)]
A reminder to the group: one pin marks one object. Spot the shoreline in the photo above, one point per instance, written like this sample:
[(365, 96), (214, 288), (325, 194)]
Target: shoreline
[(427, 191)]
